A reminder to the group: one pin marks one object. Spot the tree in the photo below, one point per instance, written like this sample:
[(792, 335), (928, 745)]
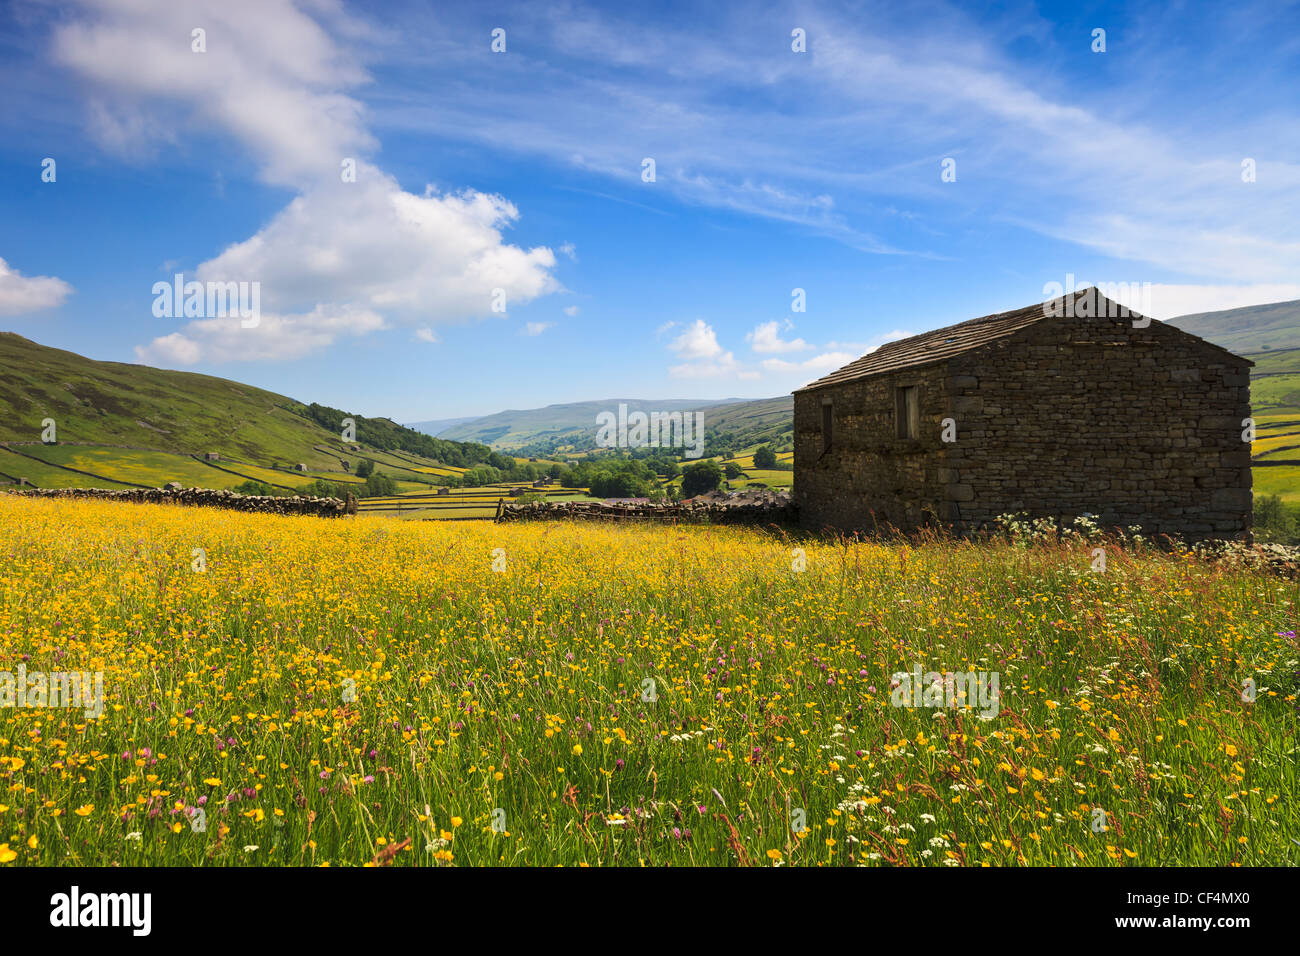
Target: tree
[(364, 468), (732, 470), (379, 484), (764, 457), (254, 488), (481, 475), (701, 477)]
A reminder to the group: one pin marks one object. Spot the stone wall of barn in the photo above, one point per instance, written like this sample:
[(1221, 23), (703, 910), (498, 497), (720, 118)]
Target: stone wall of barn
[(1070, 416), (1091, 415), (869, 479)]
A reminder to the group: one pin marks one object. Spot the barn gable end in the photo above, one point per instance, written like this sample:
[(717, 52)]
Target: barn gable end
[(1052, 415)]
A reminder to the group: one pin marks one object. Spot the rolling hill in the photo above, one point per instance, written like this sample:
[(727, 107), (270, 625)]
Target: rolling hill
[(113, 403), (120, 425), (1254, 328)]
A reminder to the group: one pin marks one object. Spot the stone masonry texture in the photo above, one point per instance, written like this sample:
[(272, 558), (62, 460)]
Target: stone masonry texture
[(1067, 416)]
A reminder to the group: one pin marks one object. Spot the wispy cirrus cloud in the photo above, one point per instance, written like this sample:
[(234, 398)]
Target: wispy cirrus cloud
[(833, 141)]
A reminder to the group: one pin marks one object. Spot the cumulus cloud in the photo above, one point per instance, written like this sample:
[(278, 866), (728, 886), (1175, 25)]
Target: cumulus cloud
[(703, 357), (349, 253), (814, 367), (699, 341), (275, 337), (20, 294), (767, 338), (536, 328), (424, 259), (427, 335)]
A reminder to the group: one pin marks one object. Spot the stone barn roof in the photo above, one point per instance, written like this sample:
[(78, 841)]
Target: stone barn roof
[(942, 344)]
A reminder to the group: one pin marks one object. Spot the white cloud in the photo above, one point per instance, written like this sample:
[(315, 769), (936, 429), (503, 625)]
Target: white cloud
[(427, 335), (766, 338), (536, 328), (170, 350), (1118, 171), (425, 259), (570, 250), (342, 256), (699, 341), (862, 348), (571, 310), (815, 367), (1170, 301), (20, 294), (272, 76), (703, 357), (275, 337)]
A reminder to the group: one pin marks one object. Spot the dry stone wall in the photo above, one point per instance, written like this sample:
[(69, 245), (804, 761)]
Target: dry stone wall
[(722, 508), (203, 497)]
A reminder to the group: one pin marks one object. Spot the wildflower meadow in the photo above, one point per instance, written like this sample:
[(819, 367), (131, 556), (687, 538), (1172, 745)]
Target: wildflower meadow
[(354, 692)]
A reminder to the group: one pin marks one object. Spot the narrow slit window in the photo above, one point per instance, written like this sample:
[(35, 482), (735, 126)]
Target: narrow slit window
[(828, 421), (907, 411)]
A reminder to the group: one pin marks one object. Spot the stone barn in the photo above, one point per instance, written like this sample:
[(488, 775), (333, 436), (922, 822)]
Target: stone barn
[(1070, 407)]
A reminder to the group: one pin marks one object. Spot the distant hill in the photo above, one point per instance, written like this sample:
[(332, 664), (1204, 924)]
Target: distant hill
[(525, 428), (439, 425), (1254, 328)]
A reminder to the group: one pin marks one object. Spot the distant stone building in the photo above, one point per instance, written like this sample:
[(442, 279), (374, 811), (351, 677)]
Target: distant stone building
[(1075, 406), (211, 456), (300, 467)]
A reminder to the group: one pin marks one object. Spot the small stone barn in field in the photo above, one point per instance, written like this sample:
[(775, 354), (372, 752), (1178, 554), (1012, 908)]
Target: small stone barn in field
[(1069, 407)]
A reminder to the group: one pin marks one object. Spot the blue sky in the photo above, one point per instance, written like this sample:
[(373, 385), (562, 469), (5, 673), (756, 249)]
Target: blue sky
[(522, 170)]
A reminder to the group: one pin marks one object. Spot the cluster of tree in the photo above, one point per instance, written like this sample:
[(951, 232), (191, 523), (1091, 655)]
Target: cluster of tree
[(557, 445), (722, 444), (387, 435), (612, 477), (701, 477), (1276, 522), (377, 485), (765, 457)]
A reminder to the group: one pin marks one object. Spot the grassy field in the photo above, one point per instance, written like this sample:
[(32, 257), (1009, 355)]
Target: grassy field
[(363, 691)]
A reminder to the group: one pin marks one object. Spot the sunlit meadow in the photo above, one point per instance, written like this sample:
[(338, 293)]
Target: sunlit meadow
[(364, 691)]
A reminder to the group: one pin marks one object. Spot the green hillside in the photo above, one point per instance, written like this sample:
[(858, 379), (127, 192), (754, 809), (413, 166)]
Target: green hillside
[(1254, 328), (113, 403), (121, 425), (738, 425)]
